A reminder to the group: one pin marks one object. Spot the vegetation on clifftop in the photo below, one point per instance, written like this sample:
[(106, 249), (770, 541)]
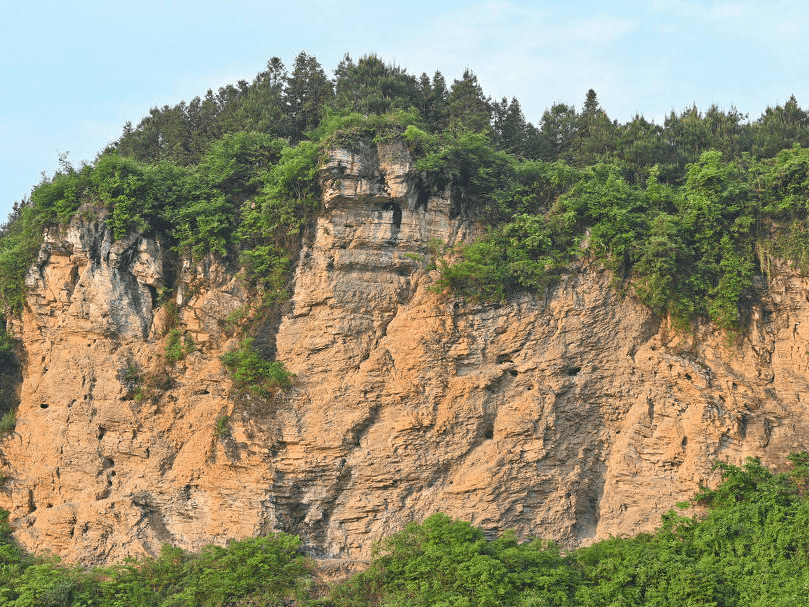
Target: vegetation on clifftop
[(684, 213), (686, 250)]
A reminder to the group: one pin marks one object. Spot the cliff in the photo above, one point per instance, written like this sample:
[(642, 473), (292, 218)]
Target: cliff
[(572, 416)]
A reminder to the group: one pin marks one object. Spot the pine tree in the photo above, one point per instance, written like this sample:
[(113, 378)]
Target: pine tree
[(778, 125), (468, 107), (372, 87), (510, 128), (307, 91), (437, 117), (557, 131)]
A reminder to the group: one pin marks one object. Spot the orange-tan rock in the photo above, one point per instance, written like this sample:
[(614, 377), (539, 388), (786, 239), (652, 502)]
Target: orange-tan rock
[(574, 415)]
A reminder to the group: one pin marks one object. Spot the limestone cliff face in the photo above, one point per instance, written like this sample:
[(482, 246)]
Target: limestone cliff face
[(571, 416)]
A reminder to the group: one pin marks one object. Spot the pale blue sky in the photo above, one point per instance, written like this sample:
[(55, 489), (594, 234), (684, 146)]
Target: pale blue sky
[(73, 73)]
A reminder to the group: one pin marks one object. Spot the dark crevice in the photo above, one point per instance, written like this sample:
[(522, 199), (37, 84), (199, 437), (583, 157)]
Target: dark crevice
[(455, 202), (588, 499), (151, 512), (397, 213), (768, 427), (486, 427), (397, 216), (10, 375), (268, 320), (153, 294), (422, 194)]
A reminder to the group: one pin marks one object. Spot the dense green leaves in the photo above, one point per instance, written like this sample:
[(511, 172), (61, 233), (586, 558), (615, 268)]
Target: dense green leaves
[(260, 572), (195, 209), (450, 563), (254, 373), (370, 86), (688, 250)]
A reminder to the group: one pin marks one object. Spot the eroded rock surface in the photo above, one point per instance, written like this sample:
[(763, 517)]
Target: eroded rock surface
[(572, 416)]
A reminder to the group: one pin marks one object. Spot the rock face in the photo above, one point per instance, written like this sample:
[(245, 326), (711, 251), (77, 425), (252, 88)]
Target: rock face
[(572, 416)]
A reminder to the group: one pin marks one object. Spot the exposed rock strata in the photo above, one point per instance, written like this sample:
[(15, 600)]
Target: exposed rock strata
[(572, 416)]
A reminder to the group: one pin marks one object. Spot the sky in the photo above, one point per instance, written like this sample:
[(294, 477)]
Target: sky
[(74, 73)]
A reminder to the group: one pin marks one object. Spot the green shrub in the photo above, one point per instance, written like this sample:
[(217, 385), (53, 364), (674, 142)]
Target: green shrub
[(271, 221), (7, 356), (264, 571), (253, 373), (236, 318), (446, 562), (173, 348), (261, 571), (687, 251), (7, 422), (178, 346), (222, 428)]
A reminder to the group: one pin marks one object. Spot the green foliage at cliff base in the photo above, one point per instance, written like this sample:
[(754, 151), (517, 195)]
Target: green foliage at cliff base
[(262, 571), (747, 548), (746, 545)]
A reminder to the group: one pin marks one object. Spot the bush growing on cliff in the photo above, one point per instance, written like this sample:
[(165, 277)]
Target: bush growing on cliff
[(685, 251), (6, 344), (10, 376), (253, 373), (446, 562), (178, 346), (7, 422), (20, 239), (271, 221)]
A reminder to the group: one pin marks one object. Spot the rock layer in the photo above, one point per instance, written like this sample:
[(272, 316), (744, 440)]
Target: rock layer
[(572, 416)]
